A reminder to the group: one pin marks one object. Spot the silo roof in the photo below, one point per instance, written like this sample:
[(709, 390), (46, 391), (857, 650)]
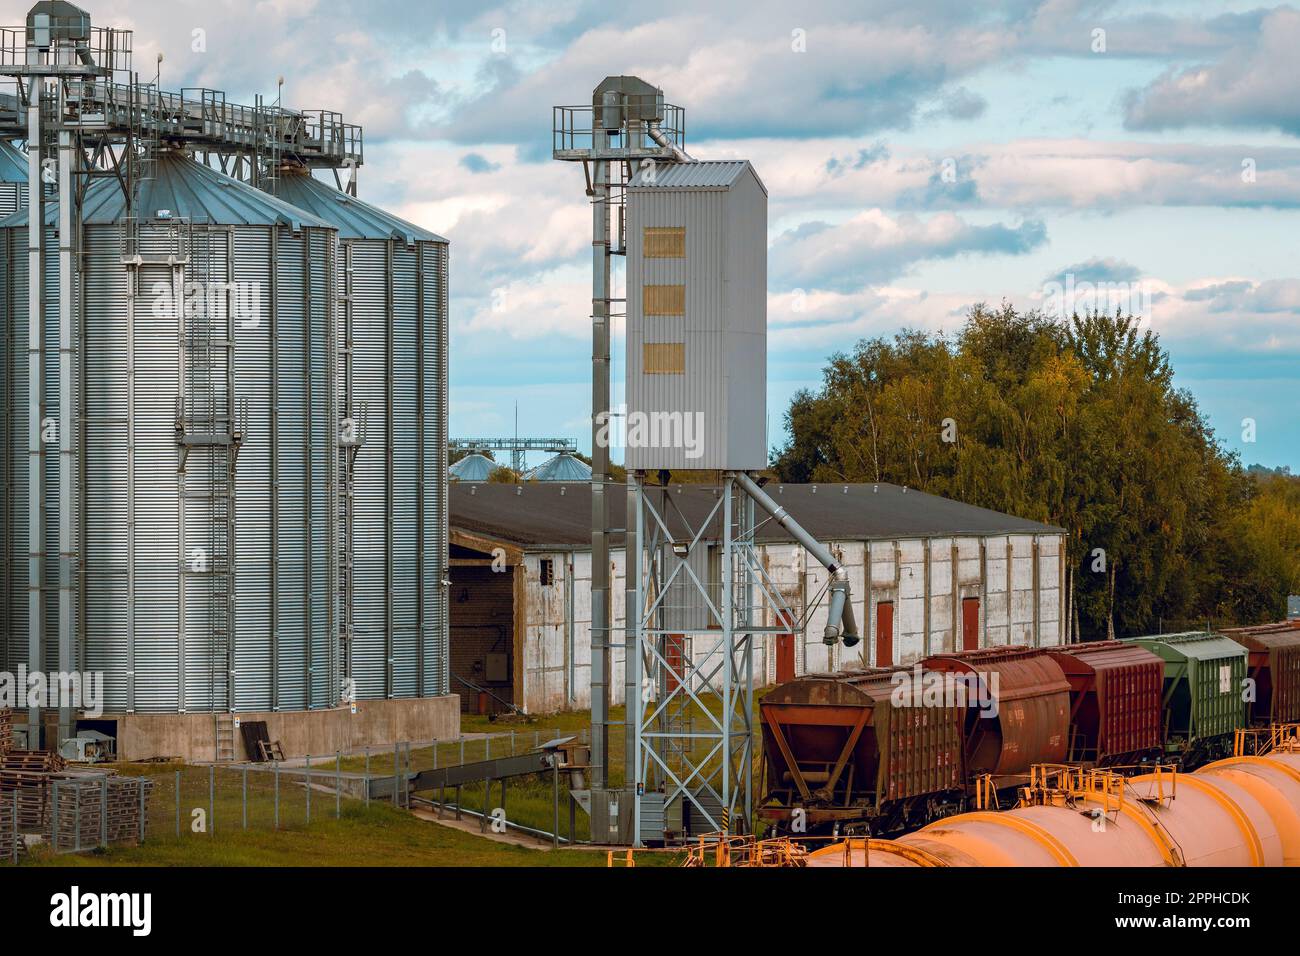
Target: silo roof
[(13, 164), (705, 174), (355, 219), (473, 467), (562, 467), (187, 190)]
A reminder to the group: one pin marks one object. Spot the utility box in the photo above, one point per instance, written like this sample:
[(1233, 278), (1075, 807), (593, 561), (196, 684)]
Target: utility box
[(696, 318)]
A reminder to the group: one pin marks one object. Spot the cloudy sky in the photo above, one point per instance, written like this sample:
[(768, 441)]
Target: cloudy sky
[(920, 157)]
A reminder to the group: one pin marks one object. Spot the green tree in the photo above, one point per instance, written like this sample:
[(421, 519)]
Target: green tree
[(1077, 424)]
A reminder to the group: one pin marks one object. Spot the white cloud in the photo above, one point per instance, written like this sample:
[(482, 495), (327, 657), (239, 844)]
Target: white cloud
[(873, 245), (535, 307), (1254, 84)]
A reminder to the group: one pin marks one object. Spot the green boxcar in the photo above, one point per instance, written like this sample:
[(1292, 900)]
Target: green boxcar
[(1204, 701)]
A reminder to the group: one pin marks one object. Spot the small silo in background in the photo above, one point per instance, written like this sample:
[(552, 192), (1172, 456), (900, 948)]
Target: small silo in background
[(697, 317), (563, 467), (392, 387), (473, 467)]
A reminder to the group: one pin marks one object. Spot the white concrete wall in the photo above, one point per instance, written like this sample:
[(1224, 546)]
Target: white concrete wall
[(559, 628), (958, 567)]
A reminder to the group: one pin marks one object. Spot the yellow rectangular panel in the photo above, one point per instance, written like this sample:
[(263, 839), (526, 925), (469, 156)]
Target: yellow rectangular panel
[(665, 300), (665, 242), (663, 358)]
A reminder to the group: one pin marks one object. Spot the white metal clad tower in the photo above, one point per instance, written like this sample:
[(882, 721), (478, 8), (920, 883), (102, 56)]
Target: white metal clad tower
[(697, 317)]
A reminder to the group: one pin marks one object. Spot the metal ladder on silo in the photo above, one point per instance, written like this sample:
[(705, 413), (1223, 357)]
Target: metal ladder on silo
[(267, 147), (354, 417), (207, 419)]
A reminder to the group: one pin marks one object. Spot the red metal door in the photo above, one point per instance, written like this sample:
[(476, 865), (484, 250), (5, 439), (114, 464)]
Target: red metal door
[(885, 634), (673, 648), (970, 624), (784, 654)]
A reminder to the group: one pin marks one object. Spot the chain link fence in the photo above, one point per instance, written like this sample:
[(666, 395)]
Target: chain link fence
[(141, 803)]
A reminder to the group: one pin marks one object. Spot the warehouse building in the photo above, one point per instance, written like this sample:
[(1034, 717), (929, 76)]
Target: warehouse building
[(928, 575)]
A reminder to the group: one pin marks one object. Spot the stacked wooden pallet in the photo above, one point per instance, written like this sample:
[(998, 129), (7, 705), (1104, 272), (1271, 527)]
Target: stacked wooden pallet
[(12, 844), (26, 773), (87, 807), (6, 730)]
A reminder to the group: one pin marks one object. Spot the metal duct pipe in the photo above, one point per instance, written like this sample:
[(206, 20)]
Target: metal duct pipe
[(835, 612), (840, 622), (659, 137), (849, 623), (782, 517), (68, 500), (35, 399)]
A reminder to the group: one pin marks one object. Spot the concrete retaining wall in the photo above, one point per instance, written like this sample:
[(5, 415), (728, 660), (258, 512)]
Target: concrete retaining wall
[(377, 723)]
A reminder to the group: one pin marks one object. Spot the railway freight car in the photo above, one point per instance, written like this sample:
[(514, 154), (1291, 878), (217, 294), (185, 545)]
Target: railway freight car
[(1273, 664), (851, 752), (1203, 703), (1019, 714), (1115, 702)]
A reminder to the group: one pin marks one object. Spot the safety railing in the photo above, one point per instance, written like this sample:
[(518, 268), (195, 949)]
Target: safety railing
[(573, 130), (110, 49), (1258, 741)]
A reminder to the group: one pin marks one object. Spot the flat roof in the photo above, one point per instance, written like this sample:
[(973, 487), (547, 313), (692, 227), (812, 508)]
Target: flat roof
[(544, 514)]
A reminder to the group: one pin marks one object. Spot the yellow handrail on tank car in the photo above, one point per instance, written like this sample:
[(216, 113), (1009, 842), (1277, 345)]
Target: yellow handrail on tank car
[(1258, 741)]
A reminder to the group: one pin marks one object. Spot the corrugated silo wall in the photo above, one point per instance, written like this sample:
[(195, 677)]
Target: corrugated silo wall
[(287, 653), (14, 340), (13, 196), (393, 385), (145, 611)]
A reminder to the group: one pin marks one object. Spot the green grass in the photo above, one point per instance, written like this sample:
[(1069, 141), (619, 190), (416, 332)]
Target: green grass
[(363, 836), (374, 835)]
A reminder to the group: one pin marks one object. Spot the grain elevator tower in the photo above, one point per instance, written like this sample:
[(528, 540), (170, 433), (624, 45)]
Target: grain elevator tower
[(697, 596)]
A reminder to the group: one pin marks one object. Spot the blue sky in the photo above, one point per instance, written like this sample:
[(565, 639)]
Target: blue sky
[(1129, 163)]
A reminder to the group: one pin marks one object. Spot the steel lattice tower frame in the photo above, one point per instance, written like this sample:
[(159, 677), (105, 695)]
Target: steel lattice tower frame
[(612, 138)]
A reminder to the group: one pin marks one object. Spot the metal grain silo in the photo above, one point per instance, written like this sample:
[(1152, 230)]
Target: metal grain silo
[(13, 179), (473, 467), (206, 550), (392, 372), (696, 317), (562, 467)]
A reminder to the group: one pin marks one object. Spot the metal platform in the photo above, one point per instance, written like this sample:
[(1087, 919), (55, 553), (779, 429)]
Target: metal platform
[(202, 120), (106, 98)]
